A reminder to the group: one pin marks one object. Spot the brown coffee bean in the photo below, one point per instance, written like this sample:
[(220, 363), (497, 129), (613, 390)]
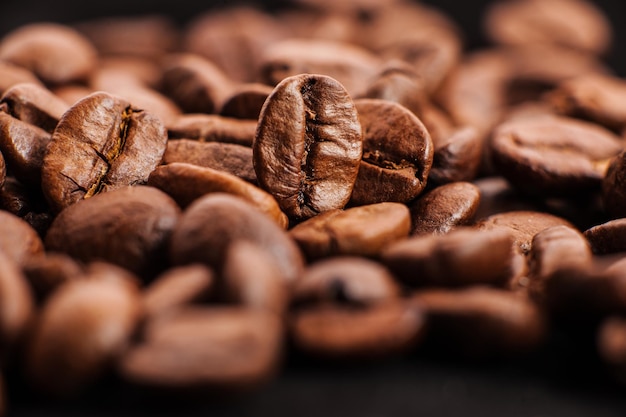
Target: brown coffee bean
[(212, 128), (213, 222), (24, 147), (26, 203), (308, 145), (33, 104), (577, 24), (397, 154), (234, 38), (101, 143), (523, 224), (351, 65), (613, 188), (17, 308), (194, 83), (148, 36), (252, 278), (607, 237), (56, 53), (340, 232), (444, 208), (552, 155), (246, 100), (82, 329), (345, 280), (482, 322), (462, 257), (497, 195), (18, 240), (457, 157), (129, 227), (11, 74), (596, 97), (611, 345), (177, 287), (380, 331), (49, 271), (226, 157), (71, 93), (127, 70), (186, 183), (200, 348)]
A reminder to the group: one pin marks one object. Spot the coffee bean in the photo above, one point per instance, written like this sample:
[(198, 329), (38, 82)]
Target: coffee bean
[(18, 240), (246, 101), (339, 232), (81, 330), (607, 237), (613, 189), (24, 146), (71, 93), (457, 157), (252, 278), (481, 322), (345, 280), (611, 345), (226, 157), (101, 143), (11, 74), (376, 332), (523, 224), (49, 271), (33, 104), (212, 128), (56, 53), (26, 203), (497, 196), (444, 208), (553, 155), (212, 223), (463, 257), (572, 24), (186, 183), (177, 287), (206, 348), (397, 154), (308, 145), (129, 227)]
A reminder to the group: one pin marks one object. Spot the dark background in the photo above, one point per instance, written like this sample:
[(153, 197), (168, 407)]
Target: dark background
[(566, 379)]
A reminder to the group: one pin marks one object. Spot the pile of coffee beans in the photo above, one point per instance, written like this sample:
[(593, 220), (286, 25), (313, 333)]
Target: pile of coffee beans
[(183, 206)]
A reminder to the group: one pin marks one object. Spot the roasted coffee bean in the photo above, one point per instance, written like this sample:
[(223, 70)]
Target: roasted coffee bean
[(24, 146), (57, 54), (463, 257), (497, 195), (252, 278), (82, 329), (444, 208), (71, 93), (607, 237), (246, 100), (457, 157), (595, 97), (200, 348), (17, 308), (33, 104), (194, 83), (133, 227), (345, 280), (18, 240), (482, 322), (523, 224), (397, 154), (553, 156), (613, 187), (49, 271), (577, 24), (308, 145), (611, 345), (335, 332), (226, 157), (212, 128), (101, 143), (556, 250), (213, 222), (11, 74), (351, 65), (339, 232), (186, 183), (26, 203), (177, 287)]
